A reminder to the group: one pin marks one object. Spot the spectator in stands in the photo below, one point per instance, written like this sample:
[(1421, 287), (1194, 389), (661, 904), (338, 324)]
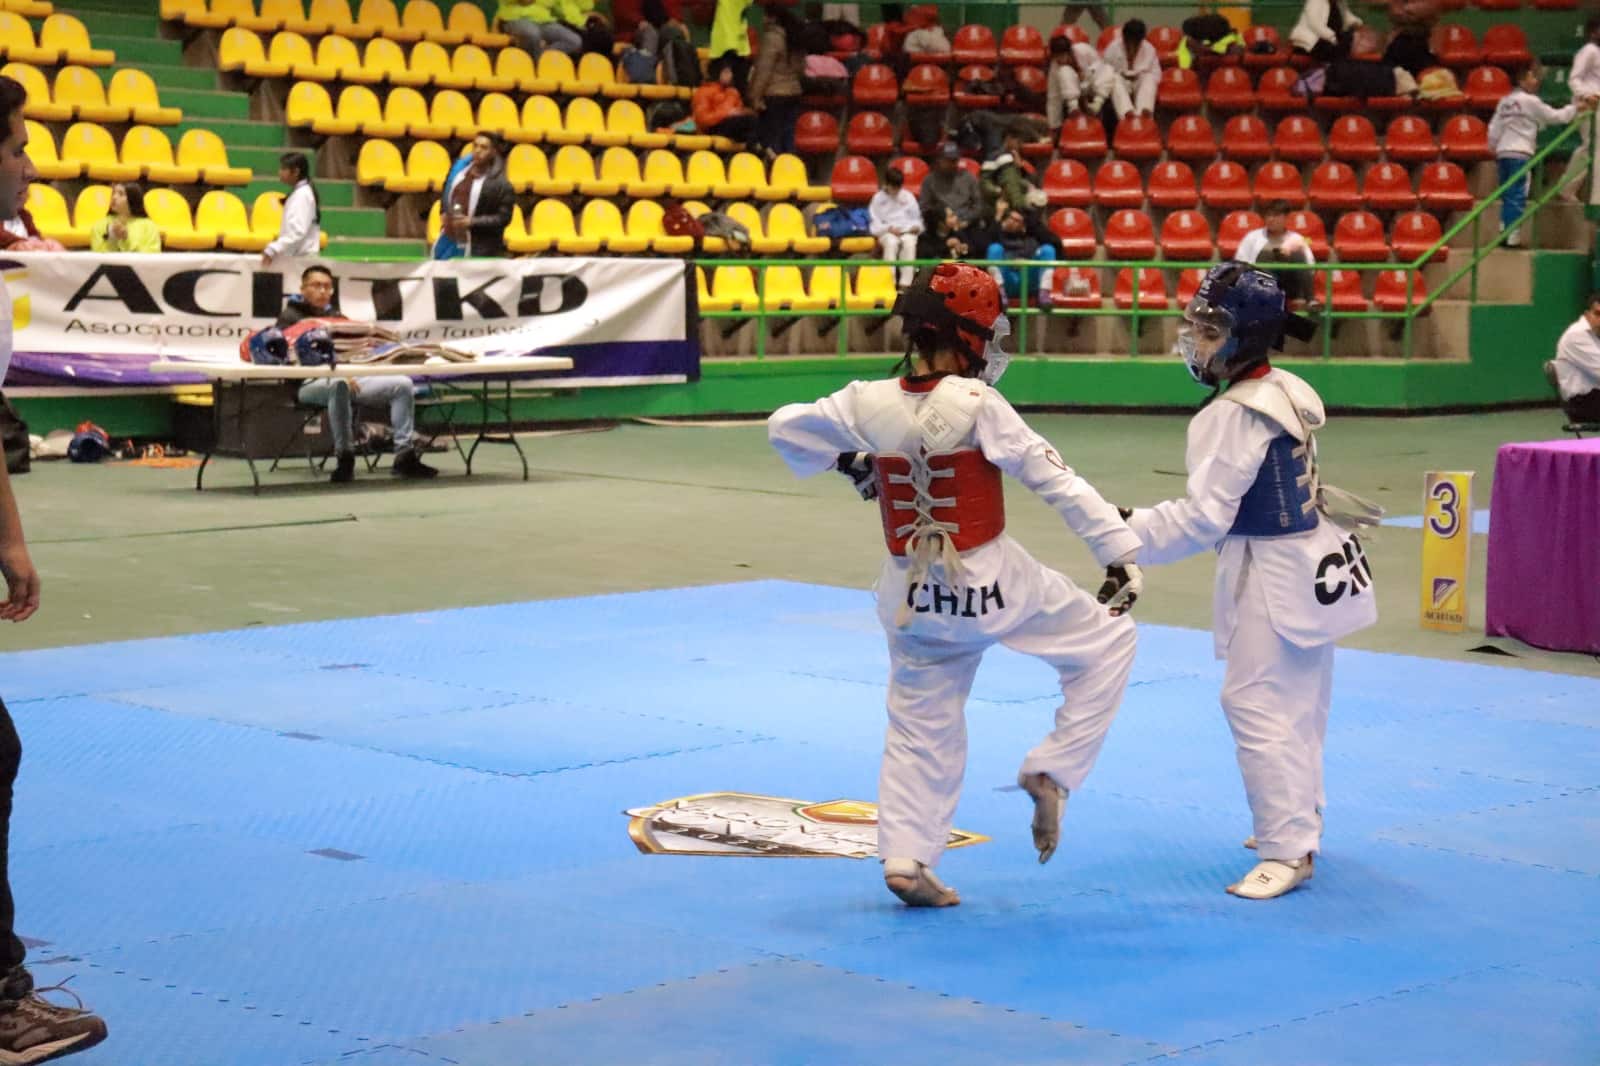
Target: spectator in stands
[(1583, 80), (1077, 79), (1575, 371), (943, 235), (20, 234), (719, 109), (126, 228), (730, 33), (1275, 242), (927, 36), (536, 25), (1135, 68), (1412, 22), (597, 36), (1005, 185), (476, 206), (896, 221), (1514, 137), (1323, 30), (300, 232), (775, 81), (1208, 34), (1021, 236), (394, 391), (948, 186), (1071, 13)]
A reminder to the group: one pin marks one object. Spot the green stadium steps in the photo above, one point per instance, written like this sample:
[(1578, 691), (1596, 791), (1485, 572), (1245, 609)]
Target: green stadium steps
[(126, 20), (263, 160), (364, 222), (387, 248), (211, 108), (333, 193), (234, 133), (137, 51), (167, 77)]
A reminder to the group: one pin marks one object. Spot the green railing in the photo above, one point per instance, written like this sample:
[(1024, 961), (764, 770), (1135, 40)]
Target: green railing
[(1404, 318)]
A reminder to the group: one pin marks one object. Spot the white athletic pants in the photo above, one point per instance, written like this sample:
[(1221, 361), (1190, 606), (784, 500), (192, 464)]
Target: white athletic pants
[(925, 750), (1579, 163), (902, 247), (1142, 97), (1276, 697)]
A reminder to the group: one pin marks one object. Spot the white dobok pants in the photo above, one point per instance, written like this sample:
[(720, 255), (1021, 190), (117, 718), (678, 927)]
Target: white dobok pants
[(903, 247), (1140, 97)]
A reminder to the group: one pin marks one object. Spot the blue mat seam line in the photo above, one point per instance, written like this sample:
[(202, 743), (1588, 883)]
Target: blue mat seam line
[(1486, 858)]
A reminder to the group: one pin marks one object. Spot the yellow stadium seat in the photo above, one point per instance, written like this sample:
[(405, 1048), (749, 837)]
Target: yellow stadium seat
[(387, 60), (136, 90), (290, 15), (380, 17), (224, 213), (541, 116), (749, 216), (786, 223), (148, 148), (874, 289), (468, 20), (705, 168), (709, 245), (451, 109), (31, 9), (828, 287), (662, 167), (93, 204), (598, 69), (471, 64), (406, 107), (626, 118), (620, 167), (746, 171), (602, 221), (789, 181), (428, 164), (359, 107), (42, 150), (38, 103), (170, 212), (180, 10), (423, 17), (241, 52), (266, 218), (17, 44), (378, 162), (294, 51), (218, 14), (733, 288), (49, 211), (95, 153), (435, 227), (430, 58), (556, 73), (583, 81), (308, 104), (204, 150), (340, 55), (784, 290), (644, 220), (550, 224), (526, 166), (335, 15), (583, 114), (66, 37), (517, 66), (497, 112), (650, 90), (702, 289), (575, 165)]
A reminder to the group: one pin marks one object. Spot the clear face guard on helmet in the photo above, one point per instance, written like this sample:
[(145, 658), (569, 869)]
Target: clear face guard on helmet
[(1203, 339)]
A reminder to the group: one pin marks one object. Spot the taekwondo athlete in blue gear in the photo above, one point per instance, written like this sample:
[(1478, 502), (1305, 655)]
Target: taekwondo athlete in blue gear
[(1291, 575)]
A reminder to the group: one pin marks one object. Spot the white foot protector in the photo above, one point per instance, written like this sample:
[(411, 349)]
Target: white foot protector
[(1272, 878), (916, 885), (1049, 804)]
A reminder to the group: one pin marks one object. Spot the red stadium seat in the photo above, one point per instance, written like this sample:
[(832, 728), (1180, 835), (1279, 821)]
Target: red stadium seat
[(1409, 139), (1280, 181), (1130, 235), (1485, 86), (1235, 224), (1310, 226), (974, 44), (1389, 294), (881, 41), (869, 133), (1335, 105), (1152, 289), (1138, 137), (1189, 284), (1247, 139), (914, 170), (1346, 290), (1465, 139), (1454, 102), (1228, 89), (1353, 139), (1073, 33), (816, 133), (927, 86), (1077, 288), (1556, 5), (1172, 185), (1082, 137), (1334, 188), (1497, 5), (1179, 90), (1254, 59), (1031, 80), (1506, 45), (1191, 137), (1066, 183), (1414, 233), (1358, 238), (1456, 46), (1276, 90), (1186, 235), (855, 179), (875, 86), (1117, 184), (1164, 39), (1022, 45), (966, 98), (1442, 187), (1226, 185), (1074, 228), (1388, 188), (1299, 138), (1107, 35), (970, 165)]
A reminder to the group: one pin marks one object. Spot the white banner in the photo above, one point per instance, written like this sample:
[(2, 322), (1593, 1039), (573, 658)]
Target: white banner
[(199, 306)]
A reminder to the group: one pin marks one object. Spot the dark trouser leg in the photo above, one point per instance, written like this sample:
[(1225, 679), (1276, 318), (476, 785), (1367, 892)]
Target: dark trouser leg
[(1582, 408), (11, 949)]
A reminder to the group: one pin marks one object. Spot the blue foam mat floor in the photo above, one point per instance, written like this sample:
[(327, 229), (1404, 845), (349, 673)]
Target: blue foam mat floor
[(401, 842)]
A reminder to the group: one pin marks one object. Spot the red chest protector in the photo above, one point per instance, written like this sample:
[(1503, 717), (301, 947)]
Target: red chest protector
[(958, 494)]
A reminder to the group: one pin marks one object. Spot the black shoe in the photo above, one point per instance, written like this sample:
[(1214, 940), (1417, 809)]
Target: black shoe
[(345, 469), (409, 464), (35, 1030)]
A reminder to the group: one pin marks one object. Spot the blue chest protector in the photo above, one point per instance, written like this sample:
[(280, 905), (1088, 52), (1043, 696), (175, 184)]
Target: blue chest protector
[(1279, 503)]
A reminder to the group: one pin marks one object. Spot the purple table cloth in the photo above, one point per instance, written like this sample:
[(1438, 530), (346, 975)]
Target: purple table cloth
[(1544, 545)]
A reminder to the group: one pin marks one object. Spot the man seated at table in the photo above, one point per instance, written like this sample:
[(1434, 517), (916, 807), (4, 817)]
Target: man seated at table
[(1575, 371), (316, 300)]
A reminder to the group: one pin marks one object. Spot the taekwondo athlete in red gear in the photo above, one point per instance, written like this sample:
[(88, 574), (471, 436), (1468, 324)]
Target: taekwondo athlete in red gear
[(1291, 574), (930, 447)]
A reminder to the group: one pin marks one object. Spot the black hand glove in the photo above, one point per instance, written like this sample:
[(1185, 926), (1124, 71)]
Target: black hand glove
[(1125, 512), (857, 466), (1122, 587)]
